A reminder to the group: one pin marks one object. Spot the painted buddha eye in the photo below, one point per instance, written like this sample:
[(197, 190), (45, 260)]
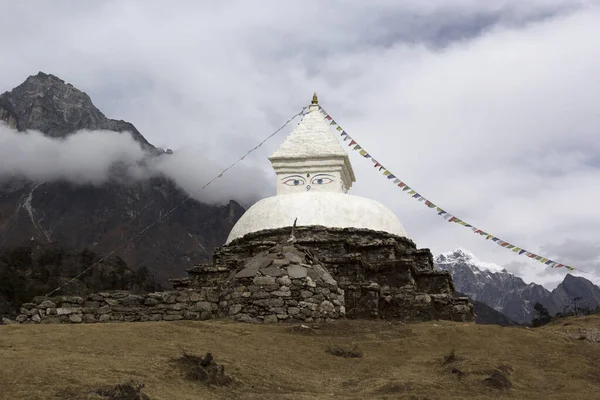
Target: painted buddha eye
[(321, 180), (293, 182)]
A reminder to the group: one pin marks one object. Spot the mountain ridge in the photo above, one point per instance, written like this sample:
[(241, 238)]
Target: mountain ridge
[(509, 294), (105, 216)]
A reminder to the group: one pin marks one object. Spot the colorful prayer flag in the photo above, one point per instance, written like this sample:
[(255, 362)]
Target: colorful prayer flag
[(439, 210)]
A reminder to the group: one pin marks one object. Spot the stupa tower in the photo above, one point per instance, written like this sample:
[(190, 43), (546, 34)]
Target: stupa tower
[(313, 177)]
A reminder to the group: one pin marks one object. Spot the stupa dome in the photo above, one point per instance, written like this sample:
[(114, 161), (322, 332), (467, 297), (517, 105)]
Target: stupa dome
[(314, 175)]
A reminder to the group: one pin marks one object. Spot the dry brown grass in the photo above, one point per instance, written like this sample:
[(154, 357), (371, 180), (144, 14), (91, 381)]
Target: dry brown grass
[(276, 362)]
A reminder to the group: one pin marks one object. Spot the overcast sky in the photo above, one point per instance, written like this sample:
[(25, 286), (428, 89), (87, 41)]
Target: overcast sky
[(490, 109)]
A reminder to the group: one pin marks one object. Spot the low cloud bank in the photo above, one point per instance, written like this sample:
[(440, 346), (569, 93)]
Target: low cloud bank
[(97, 157)]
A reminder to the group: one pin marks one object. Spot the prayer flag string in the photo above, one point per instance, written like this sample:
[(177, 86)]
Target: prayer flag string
[(441, 212)]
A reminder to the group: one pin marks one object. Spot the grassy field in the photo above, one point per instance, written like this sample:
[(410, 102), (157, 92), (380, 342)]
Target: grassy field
[(395, 361)]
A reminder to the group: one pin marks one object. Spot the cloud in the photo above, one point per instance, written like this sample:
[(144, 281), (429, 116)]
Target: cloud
[(96, 157), (488, 109)]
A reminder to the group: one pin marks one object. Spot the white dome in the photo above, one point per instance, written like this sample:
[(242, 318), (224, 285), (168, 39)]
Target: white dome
[(330, 209)]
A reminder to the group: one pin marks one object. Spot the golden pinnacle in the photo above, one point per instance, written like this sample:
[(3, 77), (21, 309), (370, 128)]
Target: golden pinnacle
[(315, 100)]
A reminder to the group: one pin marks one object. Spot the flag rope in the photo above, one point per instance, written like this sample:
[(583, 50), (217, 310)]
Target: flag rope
[(444, 214), (164, 216)]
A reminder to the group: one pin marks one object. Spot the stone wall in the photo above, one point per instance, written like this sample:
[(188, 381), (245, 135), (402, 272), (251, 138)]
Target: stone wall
[(262, 299), (284, 283), (323, 274), (122, 306), (382, 275)]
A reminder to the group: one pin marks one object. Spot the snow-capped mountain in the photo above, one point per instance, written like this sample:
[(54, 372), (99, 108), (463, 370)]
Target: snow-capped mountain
[(493, 285), (509, 294)]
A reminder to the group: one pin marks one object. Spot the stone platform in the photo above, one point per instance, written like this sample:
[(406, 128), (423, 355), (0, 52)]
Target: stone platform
[(382, 276)]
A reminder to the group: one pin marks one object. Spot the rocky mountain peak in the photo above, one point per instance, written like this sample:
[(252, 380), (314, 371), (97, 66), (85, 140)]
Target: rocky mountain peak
[(102, 217), (464, 258), (48, 104), (509, 294)]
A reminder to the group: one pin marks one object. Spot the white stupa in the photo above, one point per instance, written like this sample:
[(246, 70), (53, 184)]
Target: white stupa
[(314, 175)]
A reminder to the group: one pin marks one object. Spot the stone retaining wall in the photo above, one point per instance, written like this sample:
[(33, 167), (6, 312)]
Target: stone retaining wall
[(381, 275), (270, 299), (323, 274), (123, 306)]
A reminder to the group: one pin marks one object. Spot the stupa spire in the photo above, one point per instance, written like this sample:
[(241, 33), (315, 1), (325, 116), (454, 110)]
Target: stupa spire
[(315, 99), (311, 158)]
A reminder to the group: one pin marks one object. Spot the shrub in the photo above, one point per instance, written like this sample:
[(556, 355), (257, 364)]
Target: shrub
[(344, 351)]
